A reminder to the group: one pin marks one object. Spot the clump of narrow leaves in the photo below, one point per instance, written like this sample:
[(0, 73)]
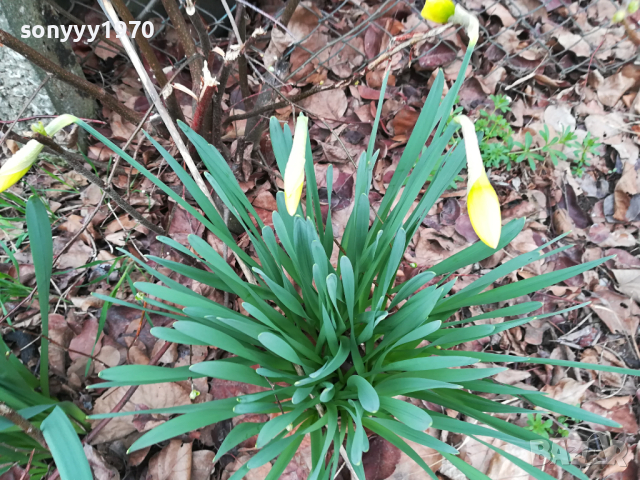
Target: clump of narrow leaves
[(339, 342)]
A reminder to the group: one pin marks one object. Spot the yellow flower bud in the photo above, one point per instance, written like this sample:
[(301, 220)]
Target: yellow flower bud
[(482, 201), (446, 11), (633, 6), (438, 11), (619, 16), (294, 172), (18, 165)]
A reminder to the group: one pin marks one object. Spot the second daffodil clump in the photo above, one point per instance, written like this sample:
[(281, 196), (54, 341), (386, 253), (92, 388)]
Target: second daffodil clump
[(294, 173), (18, 165), (482, 201)]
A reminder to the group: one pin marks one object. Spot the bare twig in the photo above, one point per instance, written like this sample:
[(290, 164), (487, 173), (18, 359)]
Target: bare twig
[(76, 163), (23, 424), (66, 76), (171, 6), (166, 118), (234, 26), (243, 69), (25, 106), (25, 474), (292, 99), (203, 35), (152, 60), (287, 13), (80, 23)]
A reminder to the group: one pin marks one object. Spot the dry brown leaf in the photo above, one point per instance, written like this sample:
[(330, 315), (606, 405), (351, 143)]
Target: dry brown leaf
[(575, 43), (618, 409), (406, 468), (619, 313), (61, 334), (559, 117), (100, 469), (568, 390), (628, 282), (172, 463), (345, 57), (380, 461), (259, 473), (613, 88), (84, 342), (202, 464), (152, 396), (327, 105)]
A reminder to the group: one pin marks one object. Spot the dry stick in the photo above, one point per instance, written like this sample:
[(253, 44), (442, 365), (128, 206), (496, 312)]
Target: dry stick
[(149, 55), (285, 103), (166, 118), (25, 474), (66, 76), (185, 40), (255, 127), (234, 26), (80, 23), (243, 69), (23, 424), (76, 163), (203, 35), (25, 106)]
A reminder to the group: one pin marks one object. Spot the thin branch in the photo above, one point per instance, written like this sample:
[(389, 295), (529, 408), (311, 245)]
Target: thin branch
[(289, 8), (166, 118), (66, 76), (25, 106), (80, 23), (232, 21), (186, 41), (76, 163), (243, 69), (292, 99), (203, 35), (150, 56), (23, 424)]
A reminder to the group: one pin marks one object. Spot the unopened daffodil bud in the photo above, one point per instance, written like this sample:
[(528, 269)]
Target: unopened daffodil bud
[(438, 11), (447, 11), (633, 7), (294, 172), (18, 165), (482, 201), (619, 16)]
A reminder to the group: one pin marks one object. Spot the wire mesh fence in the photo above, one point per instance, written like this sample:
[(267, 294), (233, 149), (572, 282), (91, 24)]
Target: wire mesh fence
[(332, 40)]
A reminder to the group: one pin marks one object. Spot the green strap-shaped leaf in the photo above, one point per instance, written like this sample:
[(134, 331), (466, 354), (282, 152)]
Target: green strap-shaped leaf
[(65, 447), (42, 252), (366, 393), (412, 416), (236, 436), (234, 372)]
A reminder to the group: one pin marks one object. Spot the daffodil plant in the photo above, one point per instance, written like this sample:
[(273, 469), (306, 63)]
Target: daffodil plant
[(334, 344)]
